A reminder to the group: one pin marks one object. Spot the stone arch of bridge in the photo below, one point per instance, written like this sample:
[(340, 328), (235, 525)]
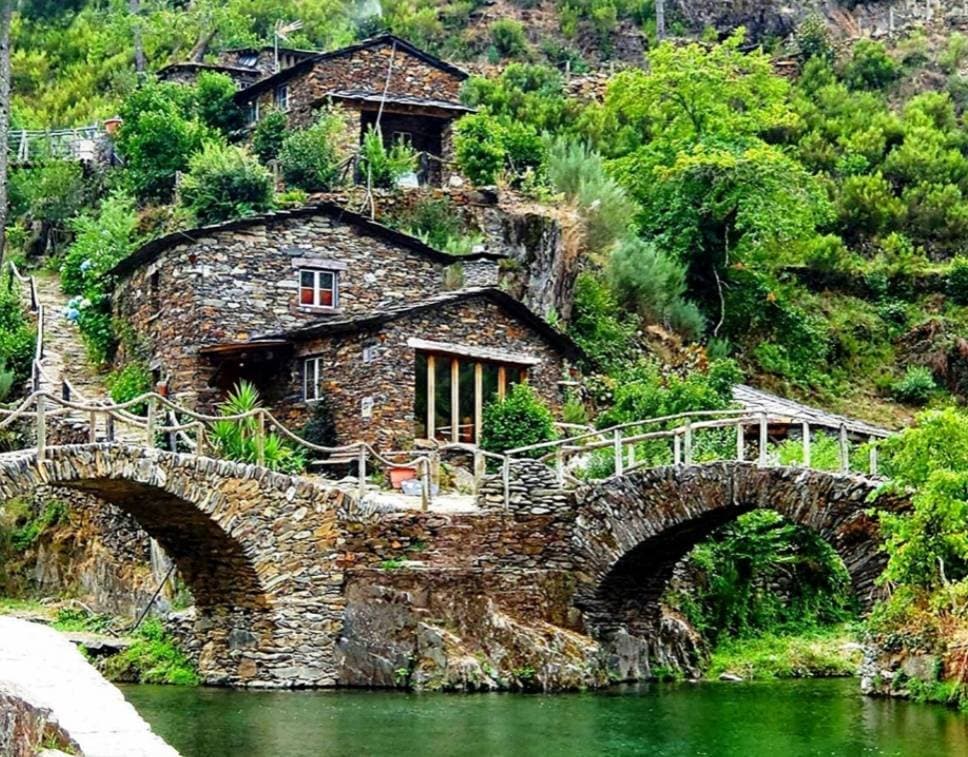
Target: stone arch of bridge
[(632, 530), (254, 547)]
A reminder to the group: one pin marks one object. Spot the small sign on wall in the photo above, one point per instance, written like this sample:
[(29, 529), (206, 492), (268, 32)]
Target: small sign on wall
[(369, 353), (366, 407)]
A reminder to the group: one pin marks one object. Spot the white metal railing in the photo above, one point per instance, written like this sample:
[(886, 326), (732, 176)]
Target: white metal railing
[(79, 143)]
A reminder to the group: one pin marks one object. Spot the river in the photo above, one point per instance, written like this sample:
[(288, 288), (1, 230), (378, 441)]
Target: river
[(781, 719)]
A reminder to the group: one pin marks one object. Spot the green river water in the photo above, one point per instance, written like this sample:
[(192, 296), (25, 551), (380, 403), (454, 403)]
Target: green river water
[(783, 719)]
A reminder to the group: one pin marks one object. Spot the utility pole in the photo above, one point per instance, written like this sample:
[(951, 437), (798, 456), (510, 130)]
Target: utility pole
[(134, 8), (660, 30), (6, 13)]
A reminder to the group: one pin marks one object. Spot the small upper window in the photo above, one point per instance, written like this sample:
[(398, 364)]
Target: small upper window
[(248, 59), (318, 288), (282, 97)]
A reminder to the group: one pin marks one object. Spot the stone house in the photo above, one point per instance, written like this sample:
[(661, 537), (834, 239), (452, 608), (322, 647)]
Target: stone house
[(402, 341), (415, 96), (245, 65)]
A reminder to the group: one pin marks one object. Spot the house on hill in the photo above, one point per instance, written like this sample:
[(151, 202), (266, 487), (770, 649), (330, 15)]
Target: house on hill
[(415, 96), (401, 340)]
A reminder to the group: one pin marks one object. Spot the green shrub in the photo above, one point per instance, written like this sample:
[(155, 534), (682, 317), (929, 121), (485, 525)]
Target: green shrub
[(870, 66), (509, 38), (383, 167), (957, 280), (520, 420), (654, 285), (435, 220), (17, 338), (600, 326), (128, 382), (26, 533), (916, 386), (215, 102), (158, 138), (479, 148), (813, 38), (269, 135), (153, 658), (308, 157), (954, 53), (605, 207), (238, 439), (225, 182)]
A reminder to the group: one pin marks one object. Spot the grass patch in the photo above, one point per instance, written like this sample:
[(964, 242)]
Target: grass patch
[(153, 658), (816, 653)]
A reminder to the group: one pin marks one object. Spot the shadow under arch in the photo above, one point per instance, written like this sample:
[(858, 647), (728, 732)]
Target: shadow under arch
[(251, 544), (632, 530)]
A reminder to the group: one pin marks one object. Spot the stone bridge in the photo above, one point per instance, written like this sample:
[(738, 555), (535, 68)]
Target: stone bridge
[(295, 585), (631, 531), (256, 549)]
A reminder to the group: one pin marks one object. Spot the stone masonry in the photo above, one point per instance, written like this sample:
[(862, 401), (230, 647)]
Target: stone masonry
[(299, 585), (232, 282)]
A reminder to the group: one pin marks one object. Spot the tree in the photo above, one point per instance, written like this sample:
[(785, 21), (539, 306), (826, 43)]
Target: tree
[(6, 14)]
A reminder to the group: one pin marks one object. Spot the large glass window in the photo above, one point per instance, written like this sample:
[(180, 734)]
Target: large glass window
[(443, 422), (451, 394)]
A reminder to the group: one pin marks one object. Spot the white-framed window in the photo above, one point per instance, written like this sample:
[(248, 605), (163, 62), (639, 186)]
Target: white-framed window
[(312, 379), (318, 288), (282, 97), (252, 111), (369, 353)]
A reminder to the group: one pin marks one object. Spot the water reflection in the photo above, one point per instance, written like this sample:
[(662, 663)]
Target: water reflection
[(788, 719)]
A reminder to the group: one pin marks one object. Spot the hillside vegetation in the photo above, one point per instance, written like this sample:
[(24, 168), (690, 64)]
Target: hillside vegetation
[(804, 231)]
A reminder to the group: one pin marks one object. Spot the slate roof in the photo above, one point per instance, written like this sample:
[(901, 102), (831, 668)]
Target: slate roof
[(757, 400), (362, 95), (149, 251), (306, 64), (331, 325)]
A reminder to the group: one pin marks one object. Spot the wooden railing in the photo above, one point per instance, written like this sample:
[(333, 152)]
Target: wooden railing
[(680, 432)]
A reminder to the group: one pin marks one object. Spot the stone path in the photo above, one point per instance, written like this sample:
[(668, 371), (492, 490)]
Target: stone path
[(65, 358), (44, 670)]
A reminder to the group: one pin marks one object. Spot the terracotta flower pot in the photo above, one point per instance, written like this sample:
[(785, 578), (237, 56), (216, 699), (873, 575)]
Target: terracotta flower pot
[(401, 474)]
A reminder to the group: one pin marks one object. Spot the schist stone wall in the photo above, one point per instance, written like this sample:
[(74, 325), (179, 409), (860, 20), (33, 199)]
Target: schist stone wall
[(387, 381), (240, 283), (363, 69)]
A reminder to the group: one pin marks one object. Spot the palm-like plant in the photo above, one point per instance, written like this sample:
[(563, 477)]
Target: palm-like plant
[(238, 439)]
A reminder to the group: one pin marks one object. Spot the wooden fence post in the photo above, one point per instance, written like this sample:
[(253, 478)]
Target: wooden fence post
[(92, 431), (41, 426), (560, 465), (872, 457), (617, 447), (150, 425), (425, 492), (805, 426), (764, 440), (109, 427), (740, 442), (506, 479), (260, 437), (200, 438), (687, 443), (676, 448), (479, 463), (361, 472), (844, 449)]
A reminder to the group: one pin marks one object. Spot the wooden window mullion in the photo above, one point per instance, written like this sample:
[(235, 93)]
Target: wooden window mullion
[(455, 400), (431, 397)]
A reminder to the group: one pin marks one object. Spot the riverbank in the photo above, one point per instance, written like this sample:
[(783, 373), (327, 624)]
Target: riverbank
[(147, 654), (823, 652)]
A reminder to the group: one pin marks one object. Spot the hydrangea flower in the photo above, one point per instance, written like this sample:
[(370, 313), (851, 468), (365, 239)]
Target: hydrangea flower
[(86, 265)]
